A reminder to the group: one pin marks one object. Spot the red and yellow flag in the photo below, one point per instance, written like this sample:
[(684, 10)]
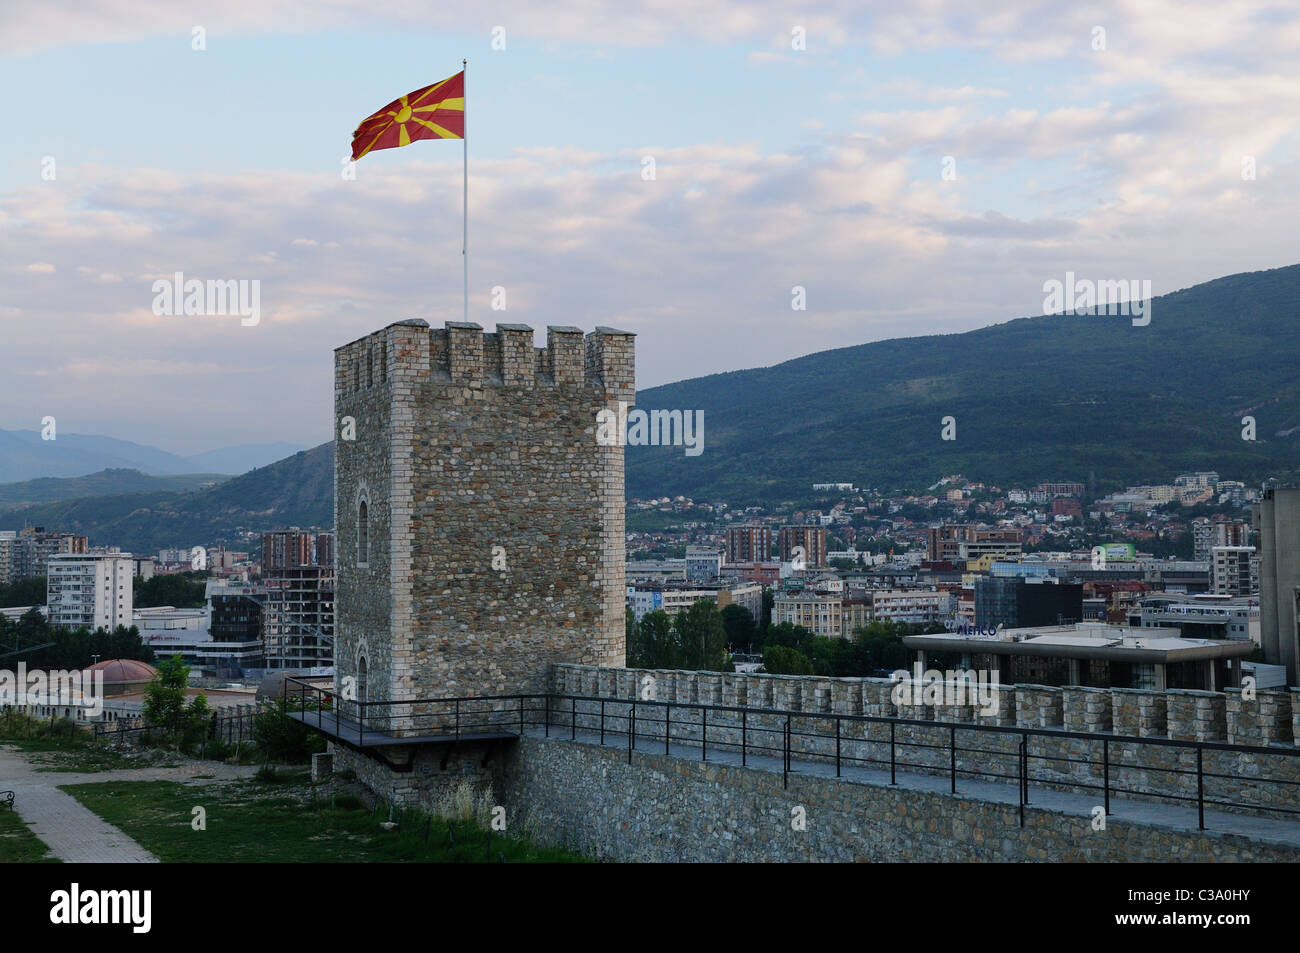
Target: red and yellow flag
[(435, 112)]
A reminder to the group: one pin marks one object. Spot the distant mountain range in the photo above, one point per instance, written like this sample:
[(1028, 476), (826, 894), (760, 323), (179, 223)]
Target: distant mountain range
[(25, 456), (296, 491), (1092, 399), (1080, 398)]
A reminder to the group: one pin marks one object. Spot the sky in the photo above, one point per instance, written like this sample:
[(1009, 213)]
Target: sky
[(672, 168)]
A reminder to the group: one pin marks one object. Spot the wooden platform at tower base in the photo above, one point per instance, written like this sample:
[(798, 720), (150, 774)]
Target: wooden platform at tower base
[(347, 732)]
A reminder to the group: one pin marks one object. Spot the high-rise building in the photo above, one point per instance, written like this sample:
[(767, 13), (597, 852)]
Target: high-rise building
[(298, 612), (812, 539), (749, 544), (90, 589), (28, 551), (1234, 570), (8, 553), (1277, 518), (1014, 601), (952, 542), (1231, 533), (1202, 538)]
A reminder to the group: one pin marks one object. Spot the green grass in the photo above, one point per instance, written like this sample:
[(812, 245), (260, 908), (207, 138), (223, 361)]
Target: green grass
[(84, 757), (254, 822), (18, 845)]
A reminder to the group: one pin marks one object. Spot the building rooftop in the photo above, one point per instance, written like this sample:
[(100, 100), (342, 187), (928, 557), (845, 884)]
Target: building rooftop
[(1091, 640)]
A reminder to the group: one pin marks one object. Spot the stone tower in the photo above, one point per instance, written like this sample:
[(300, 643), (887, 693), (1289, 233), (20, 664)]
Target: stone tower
[(480, 529)]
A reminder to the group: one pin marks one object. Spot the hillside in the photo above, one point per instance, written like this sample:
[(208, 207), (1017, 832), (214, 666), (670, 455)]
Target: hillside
[(298, 490), (103, 483), (1092, 399), (1088, 398)]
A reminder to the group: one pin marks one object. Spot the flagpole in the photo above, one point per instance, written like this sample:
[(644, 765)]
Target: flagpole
[(464, 140)]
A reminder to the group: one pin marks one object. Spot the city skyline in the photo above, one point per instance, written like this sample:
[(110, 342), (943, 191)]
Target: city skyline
[(789, 151)]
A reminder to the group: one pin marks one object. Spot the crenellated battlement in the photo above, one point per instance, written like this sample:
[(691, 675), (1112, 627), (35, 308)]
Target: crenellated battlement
[(462, 353)]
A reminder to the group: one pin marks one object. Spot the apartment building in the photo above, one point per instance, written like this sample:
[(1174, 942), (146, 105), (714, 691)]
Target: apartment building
[(90, 589), (25, 553), (818, 613), (952, 542), (811, 539), (1234, 570), (672, 597), (749, 544)]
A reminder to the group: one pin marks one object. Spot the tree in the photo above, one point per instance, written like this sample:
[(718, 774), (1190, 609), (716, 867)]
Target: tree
[(879, 646), (789, 635), (702, 637), (175, 589), (164, 703), (739, 623), (23, 592), (657, 643), (780, 660), (765, 616)]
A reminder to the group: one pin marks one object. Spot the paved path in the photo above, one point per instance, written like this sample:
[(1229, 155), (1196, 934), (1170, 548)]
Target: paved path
[(74, 833)]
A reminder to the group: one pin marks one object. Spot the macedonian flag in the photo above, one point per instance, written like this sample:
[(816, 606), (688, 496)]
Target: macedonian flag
[(435, 112)]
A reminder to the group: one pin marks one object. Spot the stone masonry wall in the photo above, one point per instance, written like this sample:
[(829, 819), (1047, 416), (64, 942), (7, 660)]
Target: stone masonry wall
[(664, 808), (1252, 780), (467, 441)]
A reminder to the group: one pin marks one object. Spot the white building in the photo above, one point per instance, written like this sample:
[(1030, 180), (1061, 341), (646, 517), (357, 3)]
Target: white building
[(1234, 570), (90, 589)]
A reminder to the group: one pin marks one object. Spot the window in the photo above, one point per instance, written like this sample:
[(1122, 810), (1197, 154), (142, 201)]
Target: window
[(361, 679), (363, 534)]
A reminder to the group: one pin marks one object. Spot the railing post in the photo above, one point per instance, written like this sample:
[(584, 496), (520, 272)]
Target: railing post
[(1021, 781), (744, 736), (361, 725), (1105, 772), (602, 721), (457, 719), (631, 733), (837, 747), (1200, 788), (1024, 758), (573, 718), (548, 716), (668, 726), (893, 778), (704, 734), (785, 755), (521, 715), (952, 760)]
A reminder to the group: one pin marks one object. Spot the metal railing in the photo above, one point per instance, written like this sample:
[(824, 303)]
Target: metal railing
[(1049, 758), (450, 718)]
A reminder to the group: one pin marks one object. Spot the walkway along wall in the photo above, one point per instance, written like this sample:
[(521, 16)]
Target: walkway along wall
[(1253, 781), (667, 808)]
